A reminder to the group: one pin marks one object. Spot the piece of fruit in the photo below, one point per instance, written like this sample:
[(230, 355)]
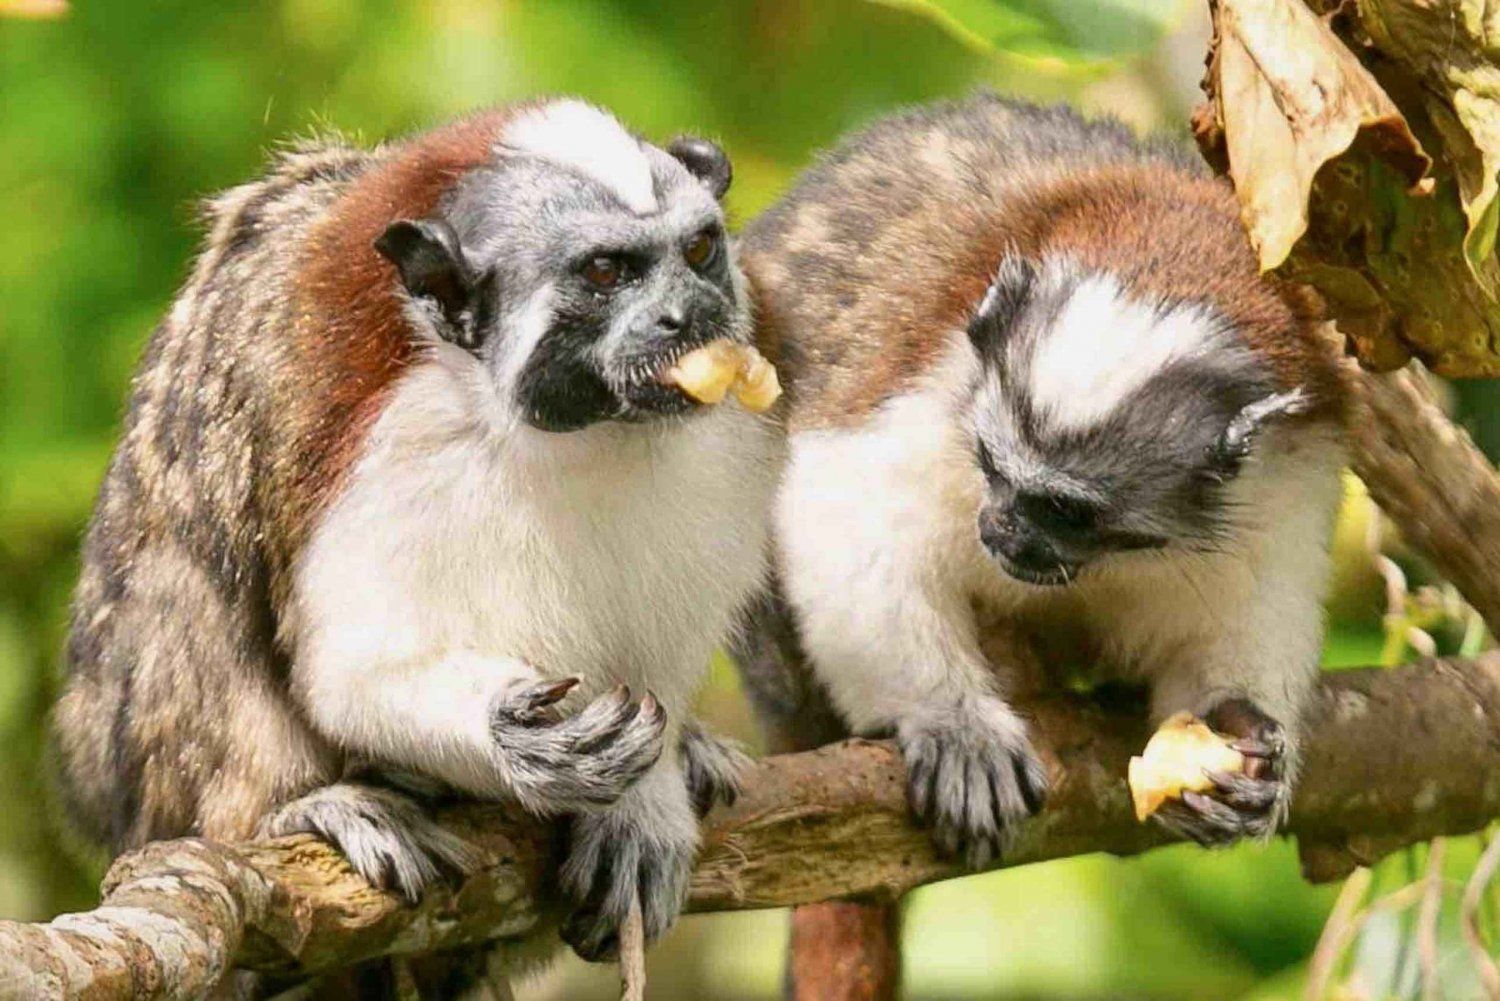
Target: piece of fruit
[(1178, 758), (709, 373), (756, 386)]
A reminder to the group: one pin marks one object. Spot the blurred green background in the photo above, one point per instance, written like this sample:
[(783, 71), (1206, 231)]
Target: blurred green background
[(118, 117)]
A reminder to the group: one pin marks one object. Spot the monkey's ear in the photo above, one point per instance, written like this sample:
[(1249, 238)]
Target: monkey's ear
[(427, 254), (1233, 446), (705, 161), (1002, 304)]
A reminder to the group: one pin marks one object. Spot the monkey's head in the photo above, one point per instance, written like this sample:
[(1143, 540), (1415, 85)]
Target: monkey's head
[(1105, 424), (576, 266)]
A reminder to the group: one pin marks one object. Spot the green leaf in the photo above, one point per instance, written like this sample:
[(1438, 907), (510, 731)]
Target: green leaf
[(1070, 30)]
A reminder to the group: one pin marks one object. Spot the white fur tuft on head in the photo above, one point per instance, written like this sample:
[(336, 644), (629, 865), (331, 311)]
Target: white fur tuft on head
[(1104, 346), (592, 141)]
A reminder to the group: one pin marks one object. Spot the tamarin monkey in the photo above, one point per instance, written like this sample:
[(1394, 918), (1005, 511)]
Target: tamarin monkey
[(400, 473), (1043, 408)]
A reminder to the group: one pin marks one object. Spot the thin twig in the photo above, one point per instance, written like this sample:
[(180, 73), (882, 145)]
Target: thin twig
[(1427, 920), (633, 955), (1336, 931), (1489, 973)]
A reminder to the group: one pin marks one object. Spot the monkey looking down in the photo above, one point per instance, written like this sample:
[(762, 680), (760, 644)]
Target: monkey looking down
[(399, 473), (1040, 399)]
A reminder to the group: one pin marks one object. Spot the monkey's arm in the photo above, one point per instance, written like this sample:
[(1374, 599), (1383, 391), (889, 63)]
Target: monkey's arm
[(1251, 666), (891, 633), (487, 726)]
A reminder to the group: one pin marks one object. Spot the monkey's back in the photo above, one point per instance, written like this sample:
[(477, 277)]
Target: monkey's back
[(873, 262), (174, 719)]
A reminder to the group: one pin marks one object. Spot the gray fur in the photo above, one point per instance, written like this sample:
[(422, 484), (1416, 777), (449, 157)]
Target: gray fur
[(713, 766), (972, 783), (583, 762), (387, 837), (643, 847)]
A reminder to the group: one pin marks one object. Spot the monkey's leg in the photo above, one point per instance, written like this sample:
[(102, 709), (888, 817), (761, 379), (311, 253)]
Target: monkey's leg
[(641, 846), (712, 767), (387, 836)]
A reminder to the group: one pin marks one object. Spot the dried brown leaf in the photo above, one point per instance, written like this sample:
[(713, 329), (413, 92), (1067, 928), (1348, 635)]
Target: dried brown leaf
[(1291, 98)]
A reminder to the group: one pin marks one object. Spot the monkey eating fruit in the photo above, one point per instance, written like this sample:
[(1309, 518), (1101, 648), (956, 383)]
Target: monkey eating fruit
[(1179, 757), (400, 486)]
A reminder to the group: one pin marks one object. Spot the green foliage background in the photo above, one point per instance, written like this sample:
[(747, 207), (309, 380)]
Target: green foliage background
[(117, 118)]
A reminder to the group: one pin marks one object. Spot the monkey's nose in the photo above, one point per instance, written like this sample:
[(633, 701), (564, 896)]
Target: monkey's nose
[(672, 320)]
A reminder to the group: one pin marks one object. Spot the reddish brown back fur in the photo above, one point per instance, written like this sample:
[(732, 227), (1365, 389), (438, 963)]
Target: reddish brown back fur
[(867, 270), (350, 323)]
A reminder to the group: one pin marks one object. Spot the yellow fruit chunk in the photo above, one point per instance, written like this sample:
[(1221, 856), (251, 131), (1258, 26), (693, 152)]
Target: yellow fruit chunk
[(756, 386), (716, 369), (1176, 759)]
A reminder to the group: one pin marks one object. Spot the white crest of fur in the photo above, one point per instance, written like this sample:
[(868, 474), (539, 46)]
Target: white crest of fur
[(1104, 346), (589, 140)]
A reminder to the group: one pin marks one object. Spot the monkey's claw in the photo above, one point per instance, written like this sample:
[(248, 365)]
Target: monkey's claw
[(1248, 805), (532, 705), (973, 781), (585, 761)]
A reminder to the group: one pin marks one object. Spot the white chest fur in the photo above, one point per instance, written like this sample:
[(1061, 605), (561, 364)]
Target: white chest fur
[(618, 553)]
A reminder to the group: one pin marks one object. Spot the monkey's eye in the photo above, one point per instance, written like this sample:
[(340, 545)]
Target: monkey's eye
[(701, 249), (603, 272), (986, 460)]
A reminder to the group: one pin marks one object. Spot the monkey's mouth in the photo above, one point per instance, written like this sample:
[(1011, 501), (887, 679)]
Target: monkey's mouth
[(644, 390), (1052, 575)]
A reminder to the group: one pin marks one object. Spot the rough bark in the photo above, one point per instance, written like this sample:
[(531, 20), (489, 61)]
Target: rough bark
[(1430, 479), (844, 950), (813, 826)]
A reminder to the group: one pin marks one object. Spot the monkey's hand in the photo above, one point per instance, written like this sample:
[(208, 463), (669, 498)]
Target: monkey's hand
[(1252, 804), (643, 847), (973, 776), (712, 767), (386, 835), (565, 765)]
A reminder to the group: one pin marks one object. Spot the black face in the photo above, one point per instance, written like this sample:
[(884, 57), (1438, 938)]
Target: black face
[(578, 302), (1047, 531), (621, 317), (1148, 473)]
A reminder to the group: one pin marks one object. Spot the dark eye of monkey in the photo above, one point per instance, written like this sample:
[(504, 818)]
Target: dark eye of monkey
[(604, 272), (986, 460), (701, 249)]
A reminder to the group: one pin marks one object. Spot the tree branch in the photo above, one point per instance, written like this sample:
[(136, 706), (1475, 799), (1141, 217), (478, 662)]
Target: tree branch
[(1431, 480), (1396, 756)]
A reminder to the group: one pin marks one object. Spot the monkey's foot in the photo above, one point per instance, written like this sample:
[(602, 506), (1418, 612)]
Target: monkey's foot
[(973, 777), (642, 848), (1252, 804), (386, 836), (585, 761), (713, 767)]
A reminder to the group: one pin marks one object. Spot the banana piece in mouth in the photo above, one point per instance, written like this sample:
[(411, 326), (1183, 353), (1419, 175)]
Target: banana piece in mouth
[(719, 368), (1177, 759)]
